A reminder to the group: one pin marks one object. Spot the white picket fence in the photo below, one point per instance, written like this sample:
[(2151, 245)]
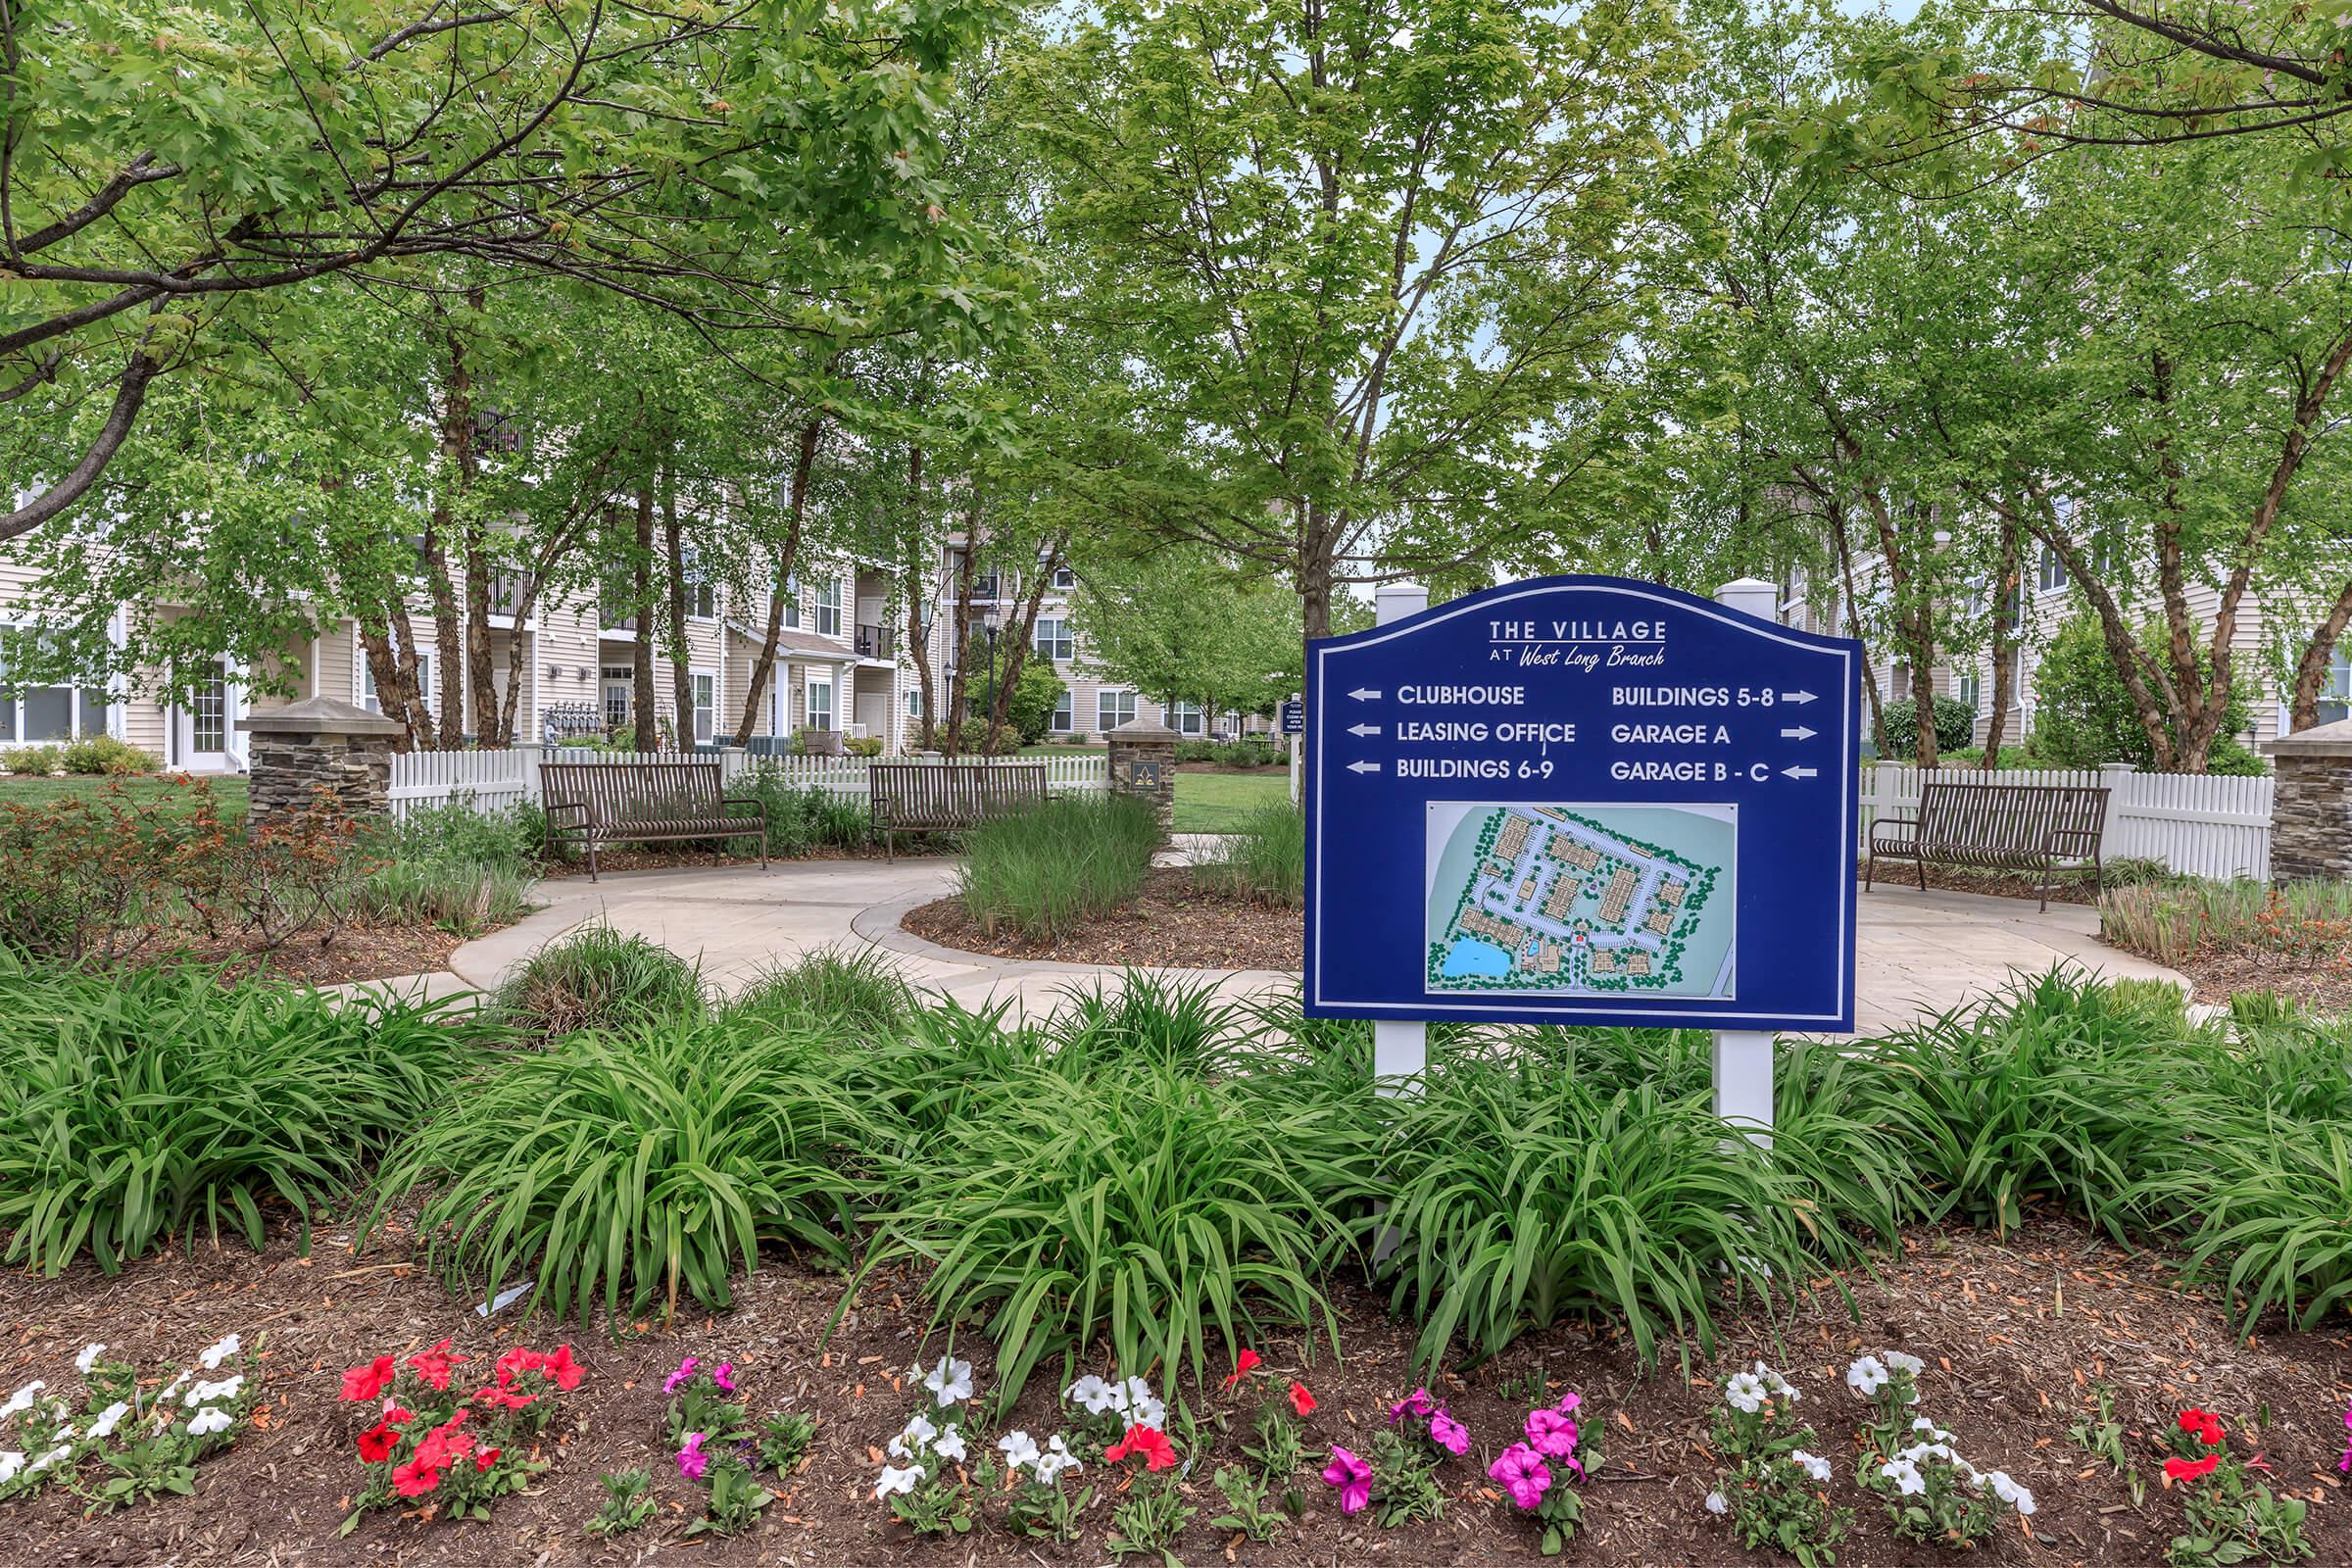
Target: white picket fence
[(2199, 824), (490, 781)]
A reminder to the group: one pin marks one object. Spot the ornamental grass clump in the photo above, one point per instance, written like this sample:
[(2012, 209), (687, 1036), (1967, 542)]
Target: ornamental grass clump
[(599, 978), (857, 993), (1262, 857), (1041, 872), (629, 1168), (149, 1105), (1144, 1203)]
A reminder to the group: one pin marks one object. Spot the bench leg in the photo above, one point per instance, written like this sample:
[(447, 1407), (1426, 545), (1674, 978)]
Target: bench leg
[(1870, 869), (1923, 873), (591, 857)]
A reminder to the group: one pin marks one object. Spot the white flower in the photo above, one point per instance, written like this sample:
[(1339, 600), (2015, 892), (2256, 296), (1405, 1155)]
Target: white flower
[(2009, 1491), (60, 1451), (1908, 1482), (1813, 1464), (214, 1354), (1018, 1448), (227, 1388), (209, 1420), (22, 1401), (1903, 1362), (2024, 1499), (107, 1419), (1056, 1458), (171, 1392), (1867, 1376), (1717, 1502), (1133, 1398), (1781, 1387), (950, 1382), (1744, 1391), (894, 1482), (11, 1462), (949, 1445), (1092, 1394), (919, 1431), (88, 1357)]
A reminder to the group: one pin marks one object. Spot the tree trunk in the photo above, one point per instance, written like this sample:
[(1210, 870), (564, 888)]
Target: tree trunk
[(643, 719), (787, 561), (395, 689), (2005, 597), (1016, 644), (673, 548), (2132, 667), (2319, 657), (1853, 618)]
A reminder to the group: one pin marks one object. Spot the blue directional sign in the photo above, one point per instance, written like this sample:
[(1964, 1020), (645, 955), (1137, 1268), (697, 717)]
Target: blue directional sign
[(1293, 718), (1583, 799)]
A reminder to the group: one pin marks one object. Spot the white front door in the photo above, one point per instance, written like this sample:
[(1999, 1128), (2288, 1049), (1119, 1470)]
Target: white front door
[(204, 737)]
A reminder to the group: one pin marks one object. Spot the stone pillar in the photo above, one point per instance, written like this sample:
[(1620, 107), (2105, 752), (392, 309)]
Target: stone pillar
[(2310, 815), (321, 741), (1143, 763)]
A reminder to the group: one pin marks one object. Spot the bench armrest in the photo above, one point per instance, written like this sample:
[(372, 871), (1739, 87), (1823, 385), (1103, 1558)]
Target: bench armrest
[(587, 817), (1879, 823), (751, 801), (2093, 834)]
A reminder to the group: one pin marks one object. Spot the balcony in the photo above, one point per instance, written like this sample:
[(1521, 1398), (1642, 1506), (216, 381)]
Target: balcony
[(507, 591), (875, 642)]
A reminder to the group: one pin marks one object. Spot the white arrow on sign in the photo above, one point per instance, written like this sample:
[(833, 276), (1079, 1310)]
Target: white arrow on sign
[(1363, 730), (1363, 767), (1800, 772), (1798, 697), (1365, 694), (1799, 733)]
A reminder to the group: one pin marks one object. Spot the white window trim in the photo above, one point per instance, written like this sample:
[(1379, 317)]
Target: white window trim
[(693, 678), (1065, 714), (1126, 711), (808, 690)]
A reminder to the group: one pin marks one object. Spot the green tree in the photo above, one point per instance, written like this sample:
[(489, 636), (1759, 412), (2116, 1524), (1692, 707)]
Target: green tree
[(2083, 716), (1183, 626)]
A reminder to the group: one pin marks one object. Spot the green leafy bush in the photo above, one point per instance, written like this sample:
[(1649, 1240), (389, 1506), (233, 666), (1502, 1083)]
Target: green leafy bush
[(1042, 871), (105, 754), (30, 761), (599, 978), (2083, 716), (857, 993), (1264, 859), (621, 1169), (1955, 726), (149, 1104), (800, 818)]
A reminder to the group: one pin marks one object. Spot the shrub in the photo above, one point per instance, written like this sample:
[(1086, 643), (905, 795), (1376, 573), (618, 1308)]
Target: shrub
[(1955, 726), (1142, 1203), (1044, 871), (624, 1168), (974, 739), (457, 895), (1264, 859), (33, 762), (858, 994), (103, 754), (2083, 716), (863, 745), (801, 818), (599, 978), (152, 1102), (455, 831), (96, 877)]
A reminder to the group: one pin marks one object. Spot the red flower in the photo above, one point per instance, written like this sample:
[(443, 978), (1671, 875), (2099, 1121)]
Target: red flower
[(485, 1459), (1243, 1365), (1148, 1444), (1301, 1401), (445, 1443), (561, 1367), (2190, 1469), (366, 1382), (416, 1478), (394, 1416), (487, 1395), (378, 1443), (521, 1358), (2204, 1423), (433, 1365)]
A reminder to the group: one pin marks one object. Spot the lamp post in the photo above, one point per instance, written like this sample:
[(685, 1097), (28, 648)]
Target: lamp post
[(988, 630)]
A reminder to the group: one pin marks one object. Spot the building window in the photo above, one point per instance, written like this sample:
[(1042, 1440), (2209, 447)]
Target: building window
[(620, 681), (1113, 709), (58, 712), (706, 706), (1065, 711), (828, 607), (820, 704), (914, 702), (702, 594), (1970, 689), (791, 602), (1053, 640), (2052, 576), (1185, 718), (2335, 698), (1065, 579), (424, 682)]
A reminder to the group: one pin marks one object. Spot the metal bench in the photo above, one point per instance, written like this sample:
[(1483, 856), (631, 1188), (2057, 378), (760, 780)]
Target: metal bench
[(635, 803), (947, 796), (2002, 827)]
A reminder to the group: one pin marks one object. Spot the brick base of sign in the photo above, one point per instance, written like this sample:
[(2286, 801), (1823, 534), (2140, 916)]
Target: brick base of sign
[(1143, 763), (2311, 818), (289, 771)]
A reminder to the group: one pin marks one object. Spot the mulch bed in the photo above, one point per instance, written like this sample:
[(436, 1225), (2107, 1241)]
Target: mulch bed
[(2217, 976), (2015, 1337), (683, 856), (1174, 923), (1998, 884), (356, 953)]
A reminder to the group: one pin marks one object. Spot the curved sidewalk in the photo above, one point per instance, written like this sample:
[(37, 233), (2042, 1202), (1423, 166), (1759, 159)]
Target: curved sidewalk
[(1920, 952)]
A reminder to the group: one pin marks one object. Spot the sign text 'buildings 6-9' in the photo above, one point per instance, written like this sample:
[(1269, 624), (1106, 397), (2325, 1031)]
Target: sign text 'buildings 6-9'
[(1583, 799)]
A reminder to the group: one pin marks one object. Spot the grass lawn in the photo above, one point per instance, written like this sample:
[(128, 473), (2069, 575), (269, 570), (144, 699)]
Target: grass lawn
[(1216, 802), (228, 788)]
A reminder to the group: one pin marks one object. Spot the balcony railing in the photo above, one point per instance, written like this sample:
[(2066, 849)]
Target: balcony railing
[(875, 642)]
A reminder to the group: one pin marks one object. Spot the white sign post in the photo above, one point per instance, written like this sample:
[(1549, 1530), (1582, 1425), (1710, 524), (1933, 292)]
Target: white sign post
[(1294, 738), (1744, 1056), (1400, 1051)]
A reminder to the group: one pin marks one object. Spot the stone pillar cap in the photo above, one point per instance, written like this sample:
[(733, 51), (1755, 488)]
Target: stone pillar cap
[(1136, 729), (320, 715), (2322, 740)]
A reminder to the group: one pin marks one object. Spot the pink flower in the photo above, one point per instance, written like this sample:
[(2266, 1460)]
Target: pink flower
[(1448, 1433), (1351, 1475), (1568, 1403), (724, 1377), (1417, 1403), (1522, 1473), (679, 1379), (1551, 1433), (692, 1460)]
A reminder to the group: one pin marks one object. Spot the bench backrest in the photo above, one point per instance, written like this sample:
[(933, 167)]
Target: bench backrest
[(2018, 817), (634, 792), (952, 794)]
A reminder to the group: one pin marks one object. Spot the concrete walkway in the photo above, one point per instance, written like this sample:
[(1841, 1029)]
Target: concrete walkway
[(1920, 952)]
